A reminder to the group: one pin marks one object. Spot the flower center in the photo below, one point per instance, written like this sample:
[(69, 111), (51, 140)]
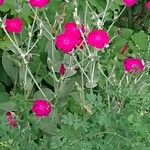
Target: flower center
[(13, 24), (41, 107), (97, 38), (66, 41)]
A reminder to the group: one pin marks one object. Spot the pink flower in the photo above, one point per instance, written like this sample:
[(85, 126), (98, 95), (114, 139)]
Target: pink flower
[(65, 42), (38, 3), (98, 39), (1, 2), (62, 69), (129, 3), (41, 108), (11, 120), (14, 25), (133, 65), (148, 5), (72, 28)]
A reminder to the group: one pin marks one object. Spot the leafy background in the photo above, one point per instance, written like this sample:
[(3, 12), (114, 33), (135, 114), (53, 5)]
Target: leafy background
[(113, 115)]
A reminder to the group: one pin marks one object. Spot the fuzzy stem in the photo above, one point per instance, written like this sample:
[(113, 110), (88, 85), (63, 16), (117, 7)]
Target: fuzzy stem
[(53, 71), (25, 62), (35, 43), (42, 24), (148, 50), (116, 19), (36, 83), (121, 80), (130, 23), (93, 70), (87, 47), (15, 40), (100, 69), (105, 11), (80, 67), (85, 15), (31, 32), (82, 82), (18, 49)]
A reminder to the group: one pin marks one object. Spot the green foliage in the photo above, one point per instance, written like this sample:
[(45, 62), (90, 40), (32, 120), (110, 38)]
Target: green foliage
[(95, 105), (141, 41), (10, 67)]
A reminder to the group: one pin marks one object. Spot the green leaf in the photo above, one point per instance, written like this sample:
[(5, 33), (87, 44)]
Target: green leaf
[(131, 118), (4, 77), (2, 87), (121, 56), (100, 5), (6, 45), (65, 88), (54, 7), (25, 12), (43, 57), (119, 42), (47, 125), (70, 72), (4, 97), (49, 94), (28, 85), (9, 66), (126, 33), (4, 8), (22, 73), (141, 40), (116, 5), (132, 46), (9, 106)]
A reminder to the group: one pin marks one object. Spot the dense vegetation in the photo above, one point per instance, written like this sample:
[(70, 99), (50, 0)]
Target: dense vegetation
[(74, 75)]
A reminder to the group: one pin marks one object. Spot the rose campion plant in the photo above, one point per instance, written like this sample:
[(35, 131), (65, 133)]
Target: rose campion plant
[(14, 25), (72, 28), (41, 108), (148, 6), (98, 39), (11, 120), (129, 3), (58, 90), (133, 65), (39, 3), (2, 2), (65, 43)]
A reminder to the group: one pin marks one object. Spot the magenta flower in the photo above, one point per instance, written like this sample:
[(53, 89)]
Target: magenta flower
[(11, 120), (14, 25), (62, 69), (72, 28), (133, 65), (148, 6), (39, 3), (1, 2), (65, 42), (41, 108), (98, 39), (129, 3)]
